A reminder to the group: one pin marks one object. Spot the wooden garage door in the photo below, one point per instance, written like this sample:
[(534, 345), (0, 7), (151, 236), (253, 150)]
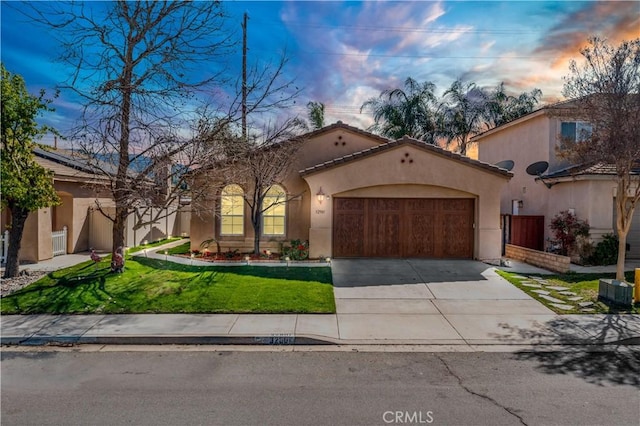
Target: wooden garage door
[(403, 227)]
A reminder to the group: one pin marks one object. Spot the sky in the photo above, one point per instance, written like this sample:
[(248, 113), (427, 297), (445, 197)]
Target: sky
[(343, 53)]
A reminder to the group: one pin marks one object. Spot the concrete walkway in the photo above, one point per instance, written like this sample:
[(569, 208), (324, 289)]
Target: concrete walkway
[(378, 303)]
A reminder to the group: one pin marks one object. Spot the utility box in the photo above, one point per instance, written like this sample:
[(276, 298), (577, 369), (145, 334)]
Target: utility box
[(615, 291)]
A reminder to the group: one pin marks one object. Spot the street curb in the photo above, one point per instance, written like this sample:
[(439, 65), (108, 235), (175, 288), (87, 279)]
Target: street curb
[(279, 340), (275, 340)]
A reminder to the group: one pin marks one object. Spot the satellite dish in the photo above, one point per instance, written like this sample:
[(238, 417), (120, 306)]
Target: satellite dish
[(537, 168), (505, 164)]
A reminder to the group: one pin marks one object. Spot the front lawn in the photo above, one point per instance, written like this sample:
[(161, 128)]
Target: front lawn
[(155, 286), (153, 244), (583, 288)]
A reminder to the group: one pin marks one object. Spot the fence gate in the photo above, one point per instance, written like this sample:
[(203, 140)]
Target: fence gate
[(528, 231), (59, 239)]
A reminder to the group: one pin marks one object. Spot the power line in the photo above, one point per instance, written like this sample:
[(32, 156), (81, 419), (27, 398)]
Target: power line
[(380, 55), (401, 29)]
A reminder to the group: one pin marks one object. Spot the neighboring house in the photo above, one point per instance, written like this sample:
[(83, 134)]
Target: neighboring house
[(80, 190), (362, 195), (587, 190)]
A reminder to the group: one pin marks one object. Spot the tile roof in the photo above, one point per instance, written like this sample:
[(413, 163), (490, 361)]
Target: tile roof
[(404, 141), (341, 125), (62, 171), (100, 167), (598, 169), (70, 160)]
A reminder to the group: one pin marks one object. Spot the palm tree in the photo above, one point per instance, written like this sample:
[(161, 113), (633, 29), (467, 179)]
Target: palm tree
[(411, 111), (462, 114), (503, 108), (316, 114)]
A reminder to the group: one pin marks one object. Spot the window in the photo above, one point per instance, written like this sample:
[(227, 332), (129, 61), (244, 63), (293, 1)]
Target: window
[(232, 210), (274, 211), (575, 130)]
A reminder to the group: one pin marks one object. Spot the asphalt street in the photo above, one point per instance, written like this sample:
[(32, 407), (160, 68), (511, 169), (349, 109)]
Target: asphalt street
[(161, 387)]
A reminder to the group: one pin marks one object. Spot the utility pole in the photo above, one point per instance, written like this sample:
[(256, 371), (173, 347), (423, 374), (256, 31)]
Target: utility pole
[(244, 77)]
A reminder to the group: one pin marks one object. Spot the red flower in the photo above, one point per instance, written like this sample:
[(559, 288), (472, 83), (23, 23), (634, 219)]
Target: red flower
[(301, 247)]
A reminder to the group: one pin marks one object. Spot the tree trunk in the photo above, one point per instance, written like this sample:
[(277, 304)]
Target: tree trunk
[(18, 219), (118, 230), (256, 236), (623, 224), (622, 254)]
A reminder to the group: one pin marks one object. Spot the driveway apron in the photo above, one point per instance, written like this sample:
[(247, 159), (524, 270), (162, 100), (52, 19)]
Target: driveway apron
[(435, 300)]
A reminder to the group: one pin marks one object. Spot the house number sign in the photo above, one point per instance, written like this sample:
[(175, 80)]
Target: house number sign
[(318, 211)]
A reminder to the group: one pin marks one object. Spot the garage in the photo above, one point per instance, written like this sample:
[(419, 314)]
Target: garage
[(440, 228)]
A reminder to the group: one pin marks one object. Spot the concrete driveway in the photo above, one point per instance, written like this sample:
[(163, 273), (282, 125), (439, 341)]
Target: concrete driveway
[(436, 300)]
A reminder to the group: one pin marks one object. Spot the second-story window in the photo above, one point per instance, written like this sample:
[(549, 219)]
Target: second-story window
[(575, 130)]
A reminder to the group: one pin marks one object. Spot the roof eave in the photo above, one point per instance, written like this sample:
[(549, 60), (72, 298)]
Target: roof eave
[(406, 141)]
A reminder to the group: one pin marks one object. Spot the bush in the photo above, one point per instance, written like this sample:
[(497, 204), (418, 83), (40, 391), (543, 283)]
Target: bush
[(299, 250), (606, 251), (566, 229)]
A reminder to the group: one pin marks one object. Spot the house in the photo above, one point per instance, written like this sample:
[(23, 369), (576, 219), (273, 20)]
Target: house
[(76, 225), (587, 190), (361, 195)]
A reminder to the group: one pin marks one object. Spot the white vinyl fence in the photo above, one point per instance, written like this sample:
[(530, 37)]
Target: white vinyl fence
[(4, 246), (59, 239)]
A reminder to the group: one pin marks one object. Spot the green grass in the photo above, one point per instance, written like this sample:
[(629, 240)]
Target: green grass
[(181, 249), (154, 286), (152, 245), (584, 285)]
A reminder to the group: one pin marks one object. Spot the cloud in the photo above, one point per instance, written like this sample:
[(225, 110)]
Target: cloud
[(615, 21), (367, 48)]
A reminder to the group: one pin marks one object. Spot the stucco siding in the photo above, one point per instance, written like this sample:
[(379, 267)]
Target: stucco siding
[(386, 174), (330, 145), (524, 143), (36, 241), (403, 171), (536, 139), (317, 149)]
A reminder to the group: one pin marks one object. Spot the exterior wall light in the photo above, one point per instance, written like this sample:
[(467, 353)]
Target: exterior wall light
[(321, 195)]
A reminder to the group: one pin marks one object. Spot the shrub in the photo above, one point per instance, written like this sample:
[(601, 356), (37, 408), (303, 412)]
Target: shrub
[(606, 251), (298, 250), (207, 243), (566, 229)]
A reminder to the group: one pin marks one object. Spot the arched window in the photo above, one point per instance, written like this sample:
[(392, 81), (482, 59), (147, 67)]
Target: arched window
[(274, 211), (232, 210)]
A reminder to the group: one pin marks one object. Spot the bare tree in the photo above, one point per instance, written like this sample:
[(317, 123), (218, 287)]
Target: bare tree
[(606, 87), (138, 69), (265, 163)]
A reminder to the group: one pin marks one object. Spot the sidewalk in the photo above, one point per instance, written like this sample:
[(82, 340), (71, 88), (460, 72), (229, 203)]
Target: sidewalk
[(460, 315), (380, 329)]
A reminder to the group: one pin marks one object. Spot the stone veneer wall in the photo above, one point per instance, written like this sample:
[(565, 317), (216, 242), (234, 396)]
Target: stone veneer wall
[(550, 261)]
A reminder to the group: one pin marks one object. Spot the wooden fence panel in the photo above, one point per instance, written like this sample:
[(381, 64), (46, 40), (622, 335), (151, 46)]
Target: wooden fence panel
[(528, 231)]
